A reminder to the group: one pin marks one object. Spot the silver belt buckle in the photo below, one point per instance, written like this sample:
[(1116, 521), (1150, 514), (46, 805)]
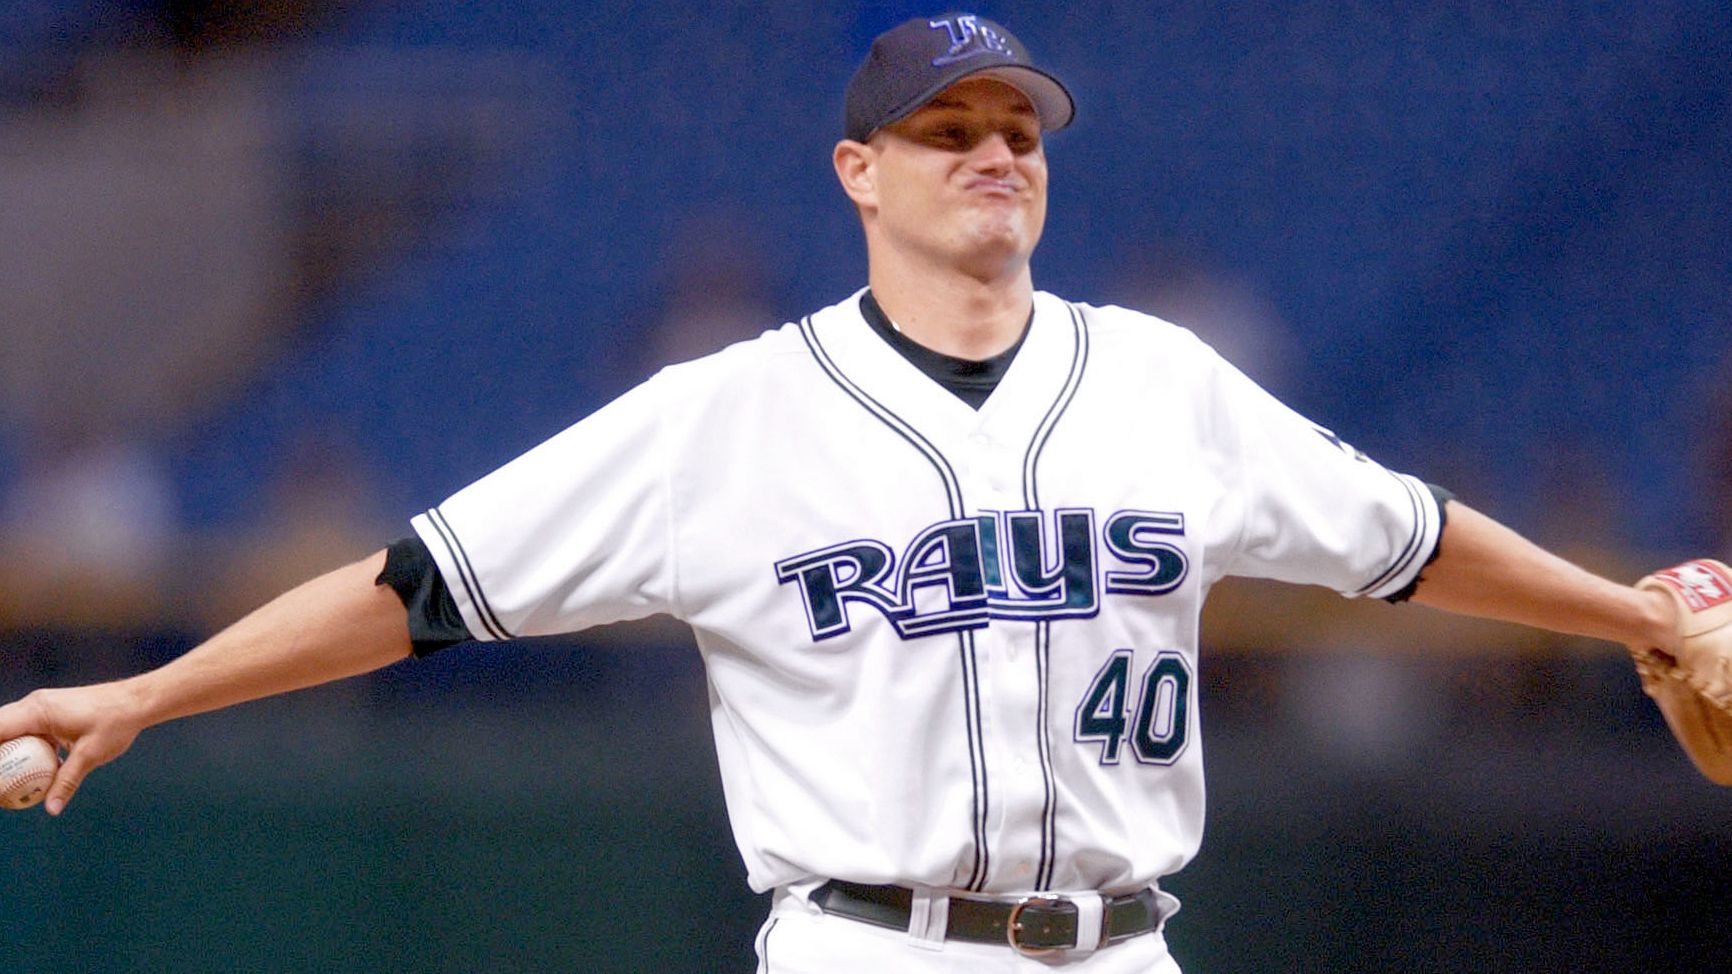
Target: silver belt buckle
[(1013, 925)]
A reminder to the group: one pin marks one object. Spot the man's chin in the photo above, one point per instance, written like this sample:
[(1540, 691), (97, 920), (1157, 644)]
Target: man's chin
[(1002, 242)]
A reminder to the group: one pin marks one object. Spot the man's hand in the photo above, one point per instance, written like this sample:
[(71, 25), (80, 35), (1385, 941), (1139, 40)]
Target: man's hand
[(93, 725)]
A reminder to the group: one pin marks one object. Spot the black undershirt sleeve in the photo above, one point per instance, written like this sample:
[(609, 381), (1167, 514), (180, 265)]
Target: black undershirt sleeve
[(1443, 498), (434, 621)]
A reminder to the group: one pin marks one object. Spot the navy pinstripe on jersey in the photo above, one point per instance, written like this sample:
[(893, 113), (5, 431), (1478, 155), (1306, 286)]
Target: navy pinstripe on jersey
[(1043, 628), (965, 639)]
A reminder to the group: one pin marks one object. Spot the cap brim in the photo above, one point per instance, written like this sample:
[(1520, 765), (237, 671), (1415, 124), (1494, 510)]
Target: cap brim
[(1052, 102)]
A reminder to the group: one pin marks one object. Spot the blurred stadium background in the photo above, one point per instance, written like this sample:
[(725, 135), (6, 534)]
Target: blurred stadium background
[(275, 276)]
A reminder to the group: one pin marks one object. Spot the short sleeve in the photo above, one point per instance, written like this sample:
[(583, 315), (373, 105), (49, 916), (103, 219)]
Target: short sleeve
[(1315, 509), (572, 534)]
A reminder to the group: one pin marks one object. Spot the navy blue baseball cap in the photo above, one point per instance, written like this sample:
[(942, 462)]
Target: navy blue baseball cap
[(912, 62)]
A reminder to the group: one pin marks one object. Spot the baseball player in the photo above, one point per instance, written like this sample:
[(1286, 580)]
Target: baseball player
[(944, 545)]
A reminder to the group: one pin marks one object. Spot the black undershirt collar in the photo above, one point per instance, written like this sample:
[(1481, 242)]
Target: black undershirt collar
[(970, 380)]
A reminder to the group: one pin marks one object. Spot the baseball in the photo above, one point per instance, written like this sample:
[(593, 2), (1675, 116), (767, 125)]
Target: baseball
[(27, 766)]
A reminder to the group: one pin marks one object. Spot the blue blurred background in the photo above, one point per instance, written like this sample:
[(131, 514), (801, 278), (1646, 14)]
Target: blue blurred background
[(275, 276)]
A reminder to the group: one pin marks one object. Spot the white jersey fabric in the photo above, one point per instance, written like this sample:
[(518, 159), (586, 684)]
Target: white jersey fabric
[(945, 647)]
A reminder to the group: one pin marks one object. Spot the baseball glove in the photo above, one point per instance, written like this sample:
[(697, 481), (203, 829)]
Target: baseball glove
[(1694, 688)]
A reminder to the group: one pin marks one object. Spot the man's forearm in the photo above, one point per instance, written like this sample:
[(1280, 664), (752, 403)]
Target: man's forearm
[(1485, 569), (337, 625)]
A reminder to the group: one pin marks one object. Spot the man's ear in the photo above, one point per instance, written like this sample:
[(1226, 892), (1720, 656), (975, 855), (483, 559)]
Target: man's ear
[(856, 172)]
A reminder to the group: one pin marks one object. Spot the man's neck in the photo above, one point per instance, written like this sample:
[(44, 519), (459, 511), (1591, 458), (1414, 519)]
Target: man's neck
[(955, 314)]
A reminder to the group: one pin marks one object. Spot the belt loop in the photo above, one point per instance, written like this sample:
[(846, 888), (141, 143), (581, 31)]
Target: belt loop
[(928, 917), (1089, 923)]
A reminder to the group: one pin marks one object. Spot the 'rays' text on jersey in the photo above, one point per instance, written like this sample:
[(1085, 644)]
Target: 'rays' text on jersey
[(959, 574)]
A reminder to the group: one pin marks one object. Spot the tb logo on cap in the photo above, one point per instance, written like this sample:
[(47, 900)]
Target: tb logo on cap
[(968, 38)]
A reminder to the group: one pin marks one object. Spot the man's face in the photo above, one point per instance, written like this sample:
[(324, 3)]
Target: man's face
[(963, 179)]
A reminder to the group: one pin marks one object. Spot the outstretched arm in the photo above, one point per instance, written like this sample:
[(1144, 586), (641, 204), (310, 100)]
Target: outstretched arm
[(1677, 623), (337, 625), (1485, 569)]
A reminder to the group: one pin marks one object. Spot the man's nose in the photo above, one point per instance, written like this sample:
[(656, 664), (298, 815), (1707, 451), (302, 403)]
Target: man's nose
[(992, 153)]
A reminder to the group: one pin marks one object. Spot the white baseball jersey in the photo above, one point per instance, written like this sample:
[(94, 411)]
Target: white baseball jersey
[(945, 647)]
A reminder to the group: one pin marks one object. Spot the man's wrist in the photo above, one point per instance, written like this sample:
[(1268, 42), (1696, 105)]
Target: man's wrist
[(138, 700), (1658, 615)]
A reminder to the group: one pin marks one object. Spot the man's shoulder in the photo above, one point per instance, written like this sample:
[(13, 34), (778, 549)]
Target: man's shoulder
[(764, 350), (1132, 328)]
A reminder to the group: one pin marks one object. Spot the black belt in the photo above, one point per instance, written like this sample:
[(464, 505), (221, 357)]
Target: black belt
[(1036, 923)]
